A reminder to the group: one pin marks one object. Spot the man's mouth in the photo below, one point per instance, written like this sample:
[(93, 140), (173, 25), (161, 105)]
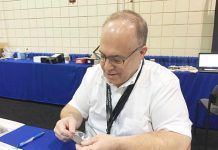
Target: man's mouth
[(111, 75)]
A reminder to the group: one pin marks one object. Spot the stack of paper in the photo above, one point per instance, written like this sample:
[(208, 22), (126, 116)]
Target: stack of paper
[(4, 146)]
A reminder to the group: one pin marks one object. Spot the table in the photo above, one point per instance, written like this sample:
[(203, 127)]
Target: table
[(46, 142), (39, 82), (195, 86), (57, 83), (51, 83), (174, 60)]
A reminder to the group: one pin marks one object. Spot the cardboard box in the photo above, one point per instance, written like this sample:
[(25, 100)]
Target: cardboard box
[(2, 46)]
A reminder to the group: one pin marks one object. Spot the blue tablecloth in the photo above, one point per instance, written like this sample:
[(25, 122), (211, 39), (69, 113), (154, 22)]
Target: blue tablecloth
[(46, 142), (31, 55), (194, 87), (174, 60), (47, 83), (163, 60), (57, 83)]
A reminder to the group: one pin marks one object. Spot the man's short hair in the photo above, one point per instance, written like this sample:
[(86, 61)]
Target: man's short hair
[(135, 19)]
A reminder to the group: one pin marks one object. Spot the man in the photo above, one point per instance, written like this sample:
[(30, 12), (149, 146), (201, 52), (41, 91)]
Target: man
[(154, 116)]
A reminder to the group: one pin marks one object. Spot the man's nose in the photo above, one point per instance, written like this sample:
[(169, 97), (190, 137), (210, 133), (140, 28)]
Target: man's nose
[(108, 65)]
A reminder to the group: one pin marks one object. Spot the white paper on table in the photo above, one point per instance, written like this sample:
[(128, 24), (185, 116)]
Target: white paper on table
[(9, 125), (4, 146)]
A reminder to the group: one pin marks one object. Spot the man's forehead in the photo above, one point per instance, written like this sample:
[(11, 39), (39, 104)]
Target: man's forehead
[(118, 25)]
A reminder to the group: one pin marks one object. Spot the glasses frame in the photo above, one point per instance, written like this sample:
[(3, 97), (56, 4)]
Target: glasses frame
[(122, 58)]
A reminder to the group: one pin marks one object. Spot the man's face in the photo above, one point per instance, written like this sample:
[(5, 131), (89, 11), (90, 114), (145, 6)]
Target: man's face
[(118, 40)]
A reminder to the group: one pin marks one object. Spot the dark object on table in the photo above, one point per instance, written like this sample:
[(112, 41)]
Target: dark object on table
[(56, 58)]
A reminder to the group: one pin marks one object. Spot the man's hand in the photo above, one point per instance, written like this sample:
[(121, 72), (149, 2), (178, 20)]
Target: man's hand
[(65, 128), (99, 142), (164, 140)]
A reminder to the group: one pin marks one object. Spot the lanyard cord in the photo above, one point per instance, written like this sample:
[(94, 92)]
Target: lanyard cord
[(111, 116)]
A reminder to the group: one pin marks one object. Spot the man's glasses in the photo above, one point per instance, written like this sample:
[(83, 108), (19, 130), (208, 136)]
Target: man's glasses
[(116, 60)]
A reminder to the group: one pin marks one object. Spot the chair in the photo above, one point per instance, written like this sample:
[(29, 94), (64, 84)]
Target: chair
[(211, 104)]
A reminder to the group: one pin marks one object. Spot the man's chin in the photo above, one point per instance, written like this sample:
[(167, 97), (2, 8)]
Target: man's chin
[(112, 79), (113, 82)]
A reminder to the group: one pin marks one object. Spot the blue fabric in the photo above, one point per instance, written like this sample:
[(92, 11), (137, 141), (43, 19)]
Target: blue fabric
[(31, 55), (194, 87), (57, 83), (174, 60), (46, 142), (47, 83), (163, 60)]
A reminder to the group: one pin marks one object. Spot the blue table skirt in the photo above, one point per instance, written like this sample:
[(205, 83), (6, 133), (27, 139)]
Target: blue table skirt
[(163, 60), (174, 60), (194, 87), (31, 55), (47, 83), (46, 142), (57, 83)]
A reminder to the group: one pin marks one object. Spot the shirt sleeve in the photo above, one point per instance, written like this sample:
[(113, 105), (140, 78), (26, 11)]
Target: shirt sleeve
[(169, 110), (80, 99)]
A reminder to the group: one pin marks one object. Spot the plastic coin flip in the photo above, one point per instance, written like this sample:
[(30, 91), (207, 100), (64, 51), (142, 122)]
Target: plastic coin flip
[(79, 137)]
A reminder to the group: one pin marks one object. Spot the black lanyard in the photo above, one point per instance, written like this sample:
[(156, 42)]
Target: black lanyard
[(111, 116)]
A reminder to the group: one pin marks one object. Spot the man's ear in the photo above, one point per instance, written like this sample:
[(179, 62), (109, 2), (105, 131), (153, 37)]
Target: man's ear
[(143, 50)]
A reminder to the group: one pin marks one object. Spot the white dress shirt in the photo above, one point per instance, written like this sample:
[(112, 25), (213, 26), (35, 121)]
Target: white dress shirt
[(156, 102)]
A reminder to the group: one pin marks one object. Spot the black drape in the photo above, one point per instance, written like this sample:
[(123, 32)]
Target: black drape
[(215, 32)]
